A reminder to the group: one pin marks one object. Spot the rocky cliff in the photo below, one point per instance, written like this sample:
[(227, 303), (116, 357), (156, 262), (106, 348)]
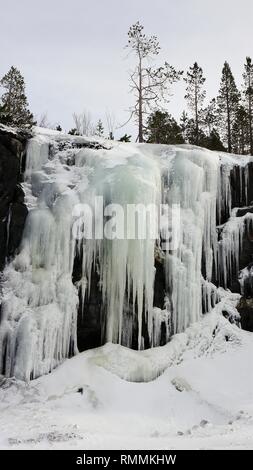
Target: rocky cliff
[(13, 211)]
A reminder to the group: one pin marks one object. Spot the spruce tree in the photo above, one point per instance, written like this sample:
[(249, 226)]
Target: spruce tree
[(213, 141), (240, 131), (125, 138), (73, 131), (162, 128), (14, 101), (183, 124), (248, 95), (227, 100), (190, 134), (100, 129), (4, 118), (195, 94)]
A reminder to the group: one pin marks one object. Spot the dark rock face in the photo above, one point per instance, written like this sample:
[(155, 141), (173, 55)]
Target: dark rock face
[(245, 308), (12, 208), (238, 181), (90, 333), (244, 201), (89, 325)]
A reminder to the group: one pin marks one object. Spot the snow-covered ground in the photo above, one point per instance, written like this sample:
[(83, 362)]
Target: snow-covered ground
[(194, 393)]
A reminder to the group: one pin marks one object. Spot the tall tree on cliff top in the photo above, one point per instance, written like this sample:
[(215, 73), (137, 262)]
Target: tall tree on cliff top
[(149, 85), (240, 132), (228, 101), (14, 102), (195, 94), (209, 116), (248, 94)]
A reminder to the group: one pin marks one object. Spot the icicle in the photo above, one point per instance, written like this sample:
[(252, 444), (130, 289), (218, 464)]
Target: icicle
[(230, 246), (39, 301), (8, 229), (194, 188), (39, 305)]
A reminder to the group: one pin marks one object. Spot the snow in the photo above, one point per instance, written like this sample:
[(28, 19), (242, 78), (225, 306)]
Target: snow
[(193, 393), (12, 130), (233, 159)]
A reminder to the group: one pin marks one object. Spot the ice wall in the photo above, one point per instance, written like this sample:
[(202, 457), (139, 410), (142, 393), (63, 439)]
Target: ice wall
[(63, 173)]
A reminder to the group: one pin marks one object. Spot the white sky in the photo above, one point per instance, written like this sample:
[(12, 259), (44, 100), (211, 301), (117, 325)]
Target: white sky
[(71, 52)]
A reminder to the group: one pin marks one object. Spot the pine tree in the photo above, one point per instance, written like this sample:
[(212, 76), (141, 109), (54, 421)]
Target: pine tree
[(190, 134), (248, 95), (162, 128), (240, 131), (210, 141), (14, 101), (213, 141), (183, 124), (150, 85), (100, 129), (195, 94), (4, 118), (125, 138), (209, 116), (227, 100), (73, 131)]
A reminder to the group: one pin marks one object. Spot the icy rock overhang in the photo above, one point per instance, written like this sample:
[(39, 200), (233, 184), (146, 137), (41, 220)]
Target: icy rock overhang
[(52, 283)]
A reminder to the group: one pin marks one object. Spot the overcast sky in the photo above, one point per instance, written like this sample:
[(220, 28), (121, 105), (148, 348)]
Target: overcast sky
[(71, 52)]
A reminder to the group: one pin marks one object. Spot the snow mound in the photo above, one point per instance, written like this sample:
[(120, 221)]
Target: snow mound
[(102, 398)]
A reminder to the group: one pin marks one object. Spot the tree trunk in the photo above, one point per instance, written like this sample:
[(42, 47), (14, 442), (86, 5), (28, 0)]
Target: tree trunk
[(228, 119), (196, 116), (250, 120), (140, 110)]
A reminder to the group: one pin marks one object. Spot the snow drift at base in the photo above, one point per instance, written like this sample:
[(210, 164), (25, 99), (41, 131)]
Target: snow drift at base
[(111, 397)]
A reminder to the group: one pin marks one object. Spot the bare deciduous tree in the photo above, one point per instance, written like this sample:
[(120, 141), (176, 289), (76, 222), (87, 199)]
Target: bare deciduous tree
[(195, 94), (42, 121), (111, 123), (83, 123)]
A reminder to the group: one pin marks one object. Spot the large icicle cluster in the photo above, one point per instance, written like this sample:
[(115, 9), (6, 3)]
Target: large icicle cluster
[(233, 231), (39, 305), (39, 300), (230, 245), (192, 184)]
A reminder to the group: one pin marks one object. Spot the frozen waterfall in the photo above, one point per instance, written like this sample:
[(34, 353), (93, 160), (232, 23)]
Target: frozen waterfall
[(64, 176)]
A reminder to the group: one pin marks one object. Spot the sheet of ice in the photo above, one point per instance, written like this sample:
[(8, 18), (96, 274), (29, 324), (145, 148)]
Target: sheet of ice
[(39, 300), (230, 246)]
